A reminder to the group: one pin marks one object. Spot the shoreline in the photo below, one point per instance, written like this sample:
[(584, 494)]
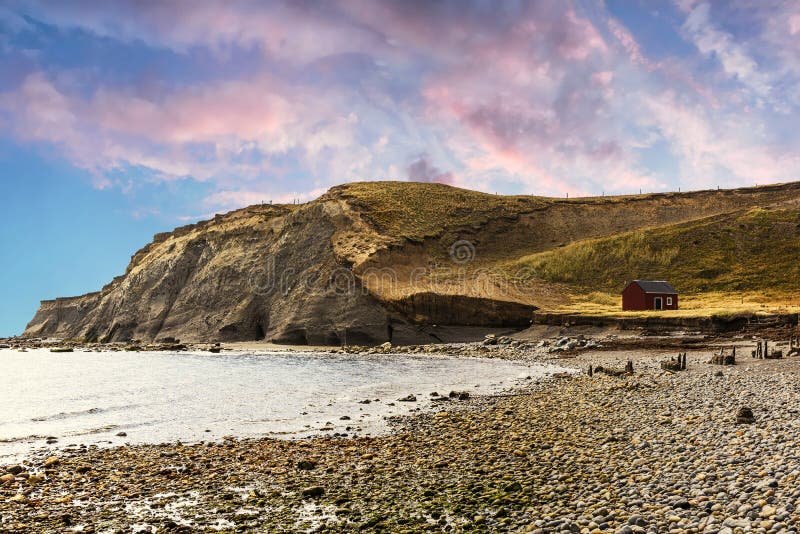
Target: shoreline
[(652, 452), (344, 416)]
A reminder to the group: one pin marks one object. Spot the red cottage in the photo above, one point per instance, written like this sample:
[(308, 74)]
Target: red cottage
[(649, 295)]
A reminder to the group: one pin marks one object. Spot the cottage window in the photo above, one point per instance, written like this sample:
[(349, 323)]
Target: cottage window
[(669, 301)]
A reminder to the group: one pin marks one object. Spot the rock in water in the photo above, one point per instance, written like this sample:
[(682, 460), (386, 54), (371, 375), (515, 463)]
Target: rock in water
[(408, 398), (745, 416)]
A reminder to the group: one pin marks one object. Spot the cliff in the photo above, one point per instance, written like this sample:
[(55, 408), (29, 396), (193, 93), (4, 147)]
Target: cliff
[(374, 261)]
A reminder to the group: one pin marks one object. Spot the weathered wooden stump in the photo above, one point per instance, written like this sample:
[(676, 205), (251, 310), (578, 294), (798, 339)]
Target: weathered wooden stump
[(724, 359), (745, 416), (615, 372), (674, 365), (794, 346), (671, 365)]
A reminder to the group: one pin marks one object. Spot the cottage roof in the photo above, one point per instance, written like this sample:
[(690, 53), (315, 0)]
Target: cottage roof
[(656, 286)]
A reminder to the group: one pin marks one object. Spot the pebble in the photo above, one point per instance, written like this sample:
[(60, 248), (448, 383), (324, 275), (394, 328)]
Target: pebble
[(652, 452)]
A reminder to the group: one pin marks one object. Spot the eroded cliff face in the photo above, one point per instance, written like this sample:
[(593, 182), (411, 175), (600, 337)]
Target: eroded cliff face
[(363, 264), (260, 273)]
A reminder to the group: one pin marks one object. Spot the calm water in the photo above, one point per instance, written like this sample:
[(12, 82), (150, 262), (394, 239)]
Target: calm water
[(88, 397)]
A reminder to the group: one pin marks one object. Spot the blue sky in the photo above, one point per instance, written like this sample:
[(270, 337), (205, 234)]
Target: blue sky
[(122, 119)]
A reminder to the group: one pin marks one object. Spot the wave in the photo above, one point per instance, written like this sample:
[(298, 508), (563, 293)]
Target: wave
[(66, 415), (32, 437), (77, 413), (96, 430)]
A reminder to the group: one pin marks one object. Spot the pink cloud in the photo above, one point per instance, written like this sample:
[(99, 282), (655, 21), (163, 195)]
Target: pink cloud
[(704, 145), (539, 127), (533, 47), (630, 45), (286, 30), (422, 170), (579, 38), (245, 109), (794, 24), (552, 95), (110, 129)]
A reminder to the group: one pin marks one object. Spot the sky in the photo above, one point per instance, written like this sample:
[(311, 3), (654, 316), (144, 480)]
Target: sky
[(122, 119)]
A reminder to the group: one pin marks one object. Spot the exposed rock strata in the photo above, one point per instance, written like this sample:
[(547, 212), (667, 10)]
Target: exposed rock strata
[(343, 269)]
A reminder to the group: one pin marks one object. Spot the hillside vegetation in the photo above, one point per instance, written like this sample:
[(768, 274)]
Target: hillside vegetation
[(416, 211), (577, 254), (716, 262), (755, 250), (374, 261)]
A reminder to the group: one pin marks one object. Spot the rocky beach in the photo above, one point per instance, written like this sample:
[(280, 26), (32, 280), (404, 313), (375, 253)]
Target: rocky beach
[(652, 451), (282, 266)]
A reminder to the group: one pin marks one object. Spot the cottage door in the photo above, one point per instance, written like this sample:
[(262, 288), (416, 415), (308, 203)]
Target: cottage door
[(657, 304)]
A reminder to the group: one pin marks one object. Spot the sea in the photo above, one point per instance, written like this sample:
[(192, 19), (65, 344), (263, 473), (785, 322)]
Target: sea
[(53, 400)]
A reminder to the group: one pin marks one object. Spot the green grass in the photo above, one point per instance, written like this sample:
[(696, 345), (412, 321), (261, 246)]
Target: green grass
[(721, 263), (417, 211), (755, 250)]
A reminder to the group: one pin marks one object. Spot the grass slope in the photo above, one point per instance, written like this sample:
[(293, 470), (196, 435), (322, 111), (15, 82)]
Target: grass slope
[(748, 260), (416, 211), (715, 246)]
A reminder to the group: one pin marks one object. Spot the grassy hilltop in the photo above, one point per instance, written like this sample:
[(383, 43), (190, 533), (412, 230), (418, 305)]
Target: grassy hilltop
[(726, 251), (271, 272)]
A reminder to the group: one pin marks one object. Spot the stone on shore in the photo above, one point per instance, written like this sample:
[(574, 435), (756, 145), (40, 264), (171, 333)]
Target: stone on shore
[(745, 416)]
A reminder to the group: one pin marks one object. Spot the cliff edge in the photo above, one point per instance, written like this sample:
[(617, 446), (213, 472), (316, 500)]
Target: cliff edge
[(367, 263)]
